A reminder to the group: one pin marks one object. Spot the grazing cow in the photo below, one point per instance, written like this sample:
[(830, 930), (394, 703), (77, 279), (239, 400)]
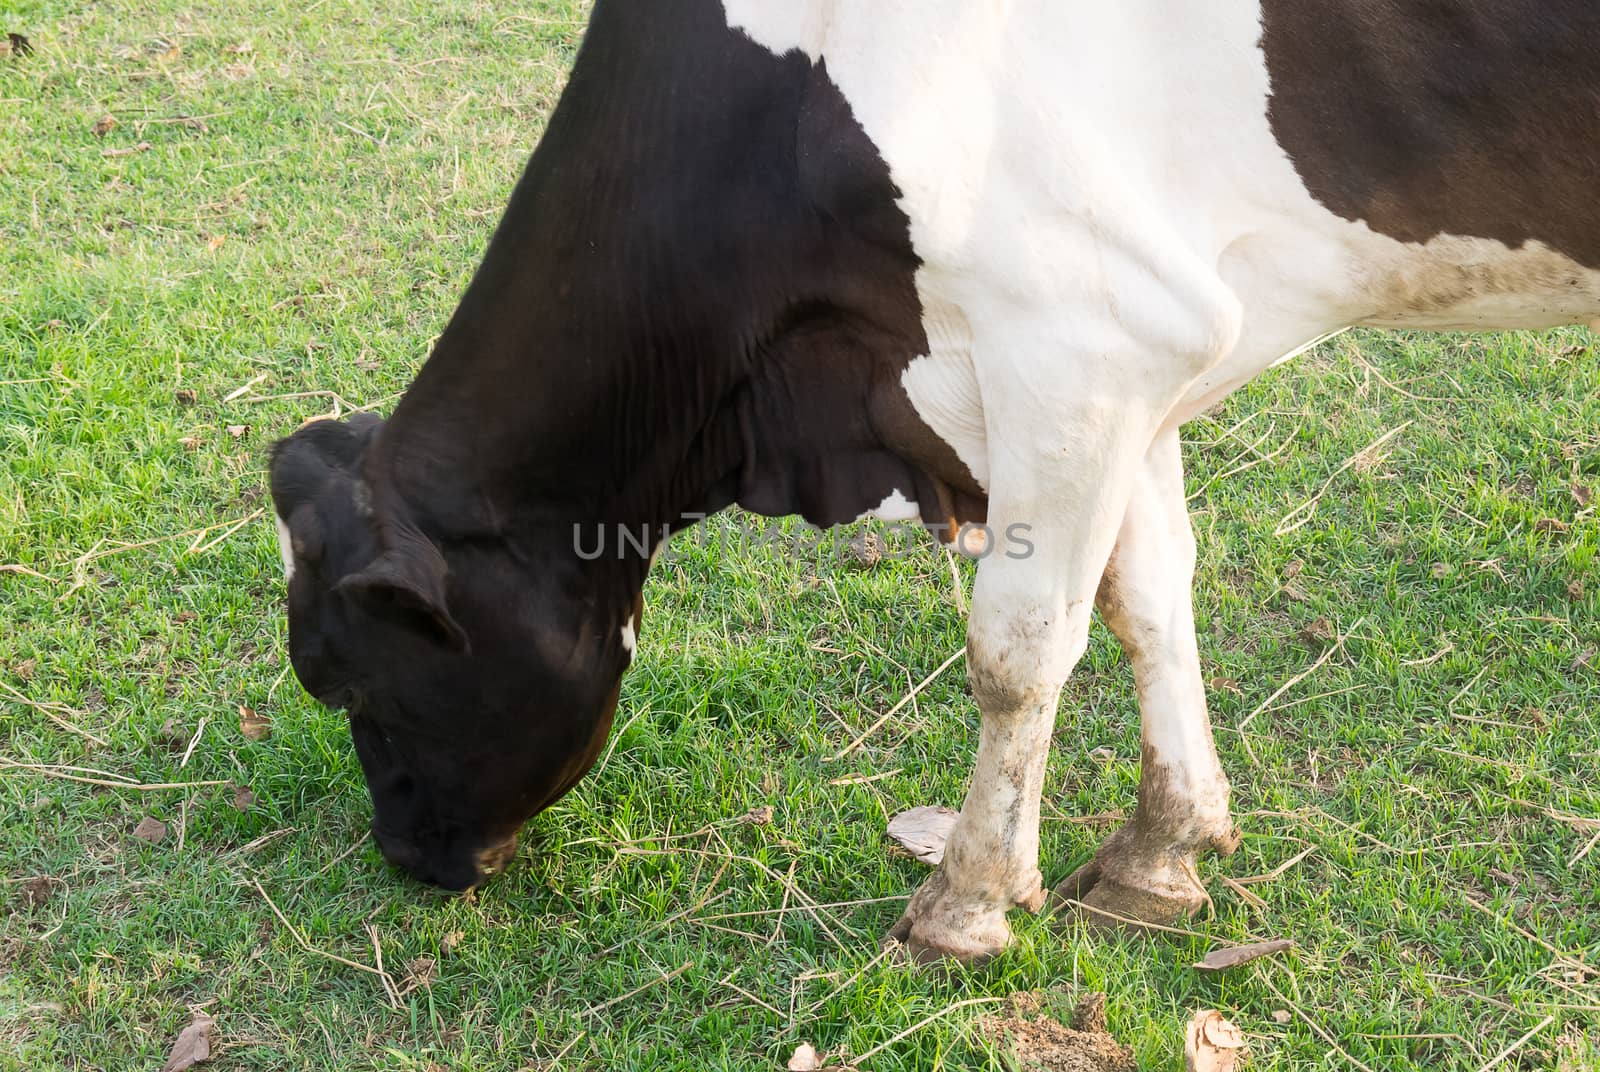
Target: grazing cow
[(964, 262)]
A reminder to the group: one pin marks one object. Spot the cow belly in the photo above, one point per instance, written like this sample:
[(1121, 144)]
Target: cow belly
[(1298, 287), (1457, 283)]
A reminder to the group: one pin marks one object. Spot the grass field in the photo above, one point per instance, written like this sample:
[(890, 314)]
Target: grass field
[(281, 217)]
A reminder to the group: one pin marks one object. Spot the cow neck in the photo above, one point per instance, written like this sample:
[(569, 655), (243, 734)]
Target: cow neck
[(702, 291), (588, 372)]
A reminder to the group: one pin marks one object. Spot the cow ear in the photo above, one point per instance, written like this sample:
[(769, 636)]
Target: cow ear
[(407, 580)]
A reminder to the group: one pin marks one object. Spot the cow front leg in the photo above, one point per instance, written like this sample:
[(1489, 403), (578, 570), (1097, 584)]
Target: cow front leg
[(1146, 870), (1053, 516)]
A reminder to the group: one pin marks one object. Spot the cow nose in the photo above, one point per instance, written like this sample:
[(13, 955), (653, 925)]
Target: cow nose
[(449, 870)]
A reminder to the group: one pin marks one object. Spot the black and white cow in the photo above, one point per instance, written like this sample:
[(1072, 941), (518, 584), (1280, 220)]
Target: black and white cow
[(943, 259)]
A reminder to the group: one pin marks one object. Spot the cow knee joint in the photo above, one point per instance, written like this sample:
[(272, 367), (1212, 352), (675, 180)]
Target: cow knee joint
[(1025, 670)]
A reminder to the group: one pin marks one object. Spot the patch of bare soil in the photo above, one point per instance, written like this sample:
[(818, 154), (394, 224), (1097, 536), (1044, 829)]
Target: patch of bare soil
[(1039, 1044), (34, 893)]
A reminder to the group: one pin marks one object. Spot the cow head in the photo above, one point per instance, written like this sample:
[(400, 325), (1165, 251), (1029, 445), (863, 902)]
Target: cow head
[(480, 673)]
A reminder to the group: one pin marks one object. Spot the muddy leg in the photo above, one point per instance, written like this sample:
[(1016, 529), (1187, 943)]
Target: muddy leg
[(1146, 870), (1029, 626)]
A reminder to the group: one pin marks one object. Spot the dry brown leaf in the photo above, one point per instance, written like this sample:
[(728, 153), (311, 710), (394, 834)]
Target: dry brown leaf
[(214, 243), (1574, 589), (1292, 593), (243, 798), (1581, 493), (923, 831), (25, 668), (1320, 629), (1549, 524), (238, 431), (1292, 568), (255, 726), (192, 1046), (104, 125), (186, 396), (1211, 1043), (1223, 1034), (1282, 1016), (152, 830), (450, 941), (191, 442), (805, 1059), (1234, 956), (243, 48), (758, 816), (1226, 684)]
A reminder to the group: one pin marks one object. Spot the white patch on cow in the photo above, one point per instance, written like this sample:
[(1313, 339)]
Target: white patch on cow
[(895, 507), (629, 637), (1166, 215), (285, 547), (1111, 240)]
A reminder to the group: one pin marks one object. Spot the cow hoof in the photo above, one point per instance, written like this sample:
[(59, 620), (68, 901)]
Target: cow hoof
[(928, 948), (1126, 900), (937, 929)]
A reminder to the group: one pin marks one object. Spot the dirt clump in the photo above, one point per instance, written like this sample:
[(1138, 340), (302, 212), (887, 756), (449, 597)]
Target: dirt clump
[(1038, 1043)]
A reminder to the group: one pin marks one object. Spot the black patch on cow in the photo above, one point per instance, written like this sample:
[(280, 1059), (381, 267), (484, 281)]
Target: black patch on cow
[(1424, 117), (701, 292)]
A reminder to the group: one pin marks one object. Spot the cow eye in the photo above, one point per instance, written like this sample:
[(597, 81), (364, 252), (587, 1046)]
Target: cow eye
[(305, 532)]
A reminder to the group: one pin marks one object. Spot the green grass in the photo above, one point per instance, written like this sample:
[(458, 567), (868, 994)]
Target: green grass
[(310, 234)]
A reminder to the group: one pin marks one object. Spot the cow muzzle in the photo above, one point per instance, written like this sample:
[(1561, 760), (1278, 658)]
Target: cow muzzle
[(455, 870)]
